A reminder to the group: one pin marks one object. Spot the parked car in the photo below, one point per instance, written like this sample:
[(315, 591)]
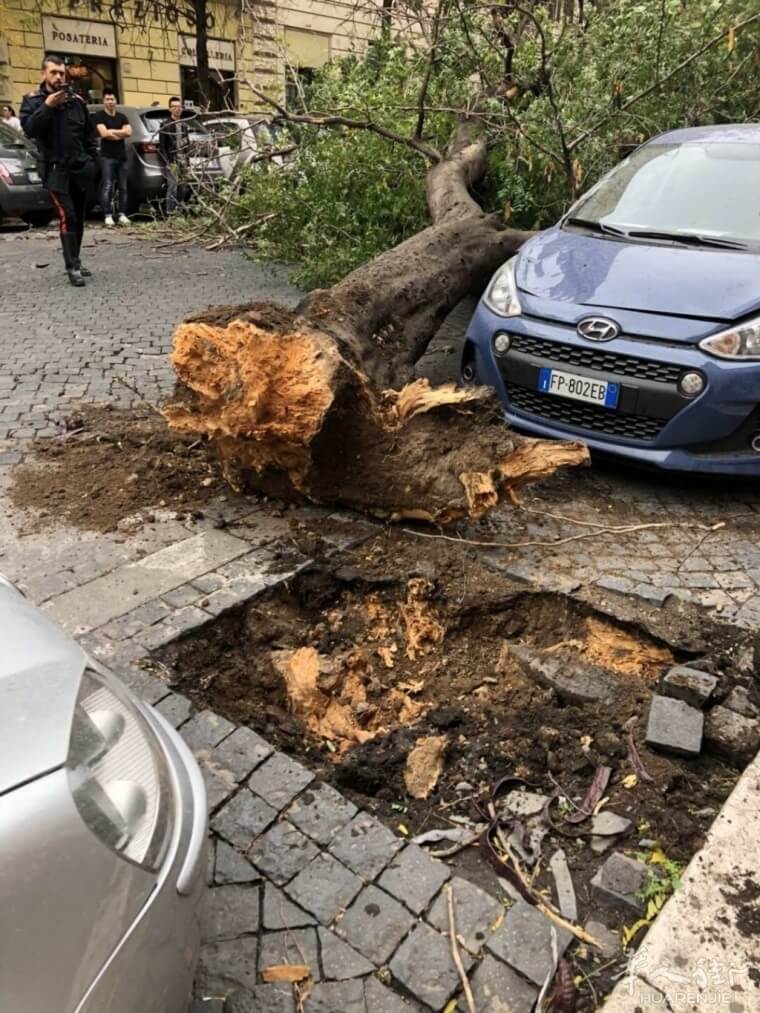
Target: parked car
[(22, 194), (145, 181), (634, 323), (242, 138), (102, 833)]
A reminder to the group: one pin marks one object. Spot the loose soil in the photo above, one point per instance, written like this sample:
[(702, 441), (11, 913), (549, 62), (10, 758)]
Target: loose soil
[(108, 465), (401, 640)]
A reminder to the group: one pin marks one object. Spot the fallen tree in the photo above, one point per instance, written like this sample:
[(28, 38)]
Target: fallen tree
[(319, 401)]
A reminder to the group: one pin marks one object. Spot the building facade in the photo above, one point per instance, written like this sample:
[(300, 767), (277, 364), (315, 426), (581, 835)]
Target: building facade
[(146, 51)]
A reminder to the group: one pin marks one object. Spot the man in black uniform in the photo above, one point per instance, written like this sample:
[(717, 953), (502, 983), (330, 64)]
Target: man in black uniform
[(57, 119)]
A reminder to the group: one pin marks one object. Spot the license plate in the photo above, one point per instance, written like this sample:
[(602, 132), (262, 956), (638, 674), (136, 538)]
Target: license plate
[(579, 388), (34, 177)]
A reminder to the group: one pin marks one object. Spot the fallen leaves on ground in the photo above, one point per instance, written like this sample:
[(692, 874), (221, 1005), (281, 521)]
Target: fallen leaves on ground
[(424, 765)]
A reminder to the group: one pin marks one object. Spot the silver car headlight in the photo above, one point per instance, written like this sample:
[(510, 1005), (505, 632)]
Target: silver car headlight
[(118, 775), (501, 294), (740, 342)]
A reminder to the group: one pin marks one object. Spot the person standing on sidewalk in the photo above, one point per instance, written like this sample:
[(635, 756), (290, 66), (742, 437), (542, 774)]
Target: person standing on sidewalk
[(173, 139), (113, 127), (10, 119), (57, 119)]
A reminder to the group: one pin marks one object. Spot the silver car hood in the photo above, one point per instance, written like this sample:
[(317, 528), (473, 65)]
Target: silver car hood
[(40, 671)]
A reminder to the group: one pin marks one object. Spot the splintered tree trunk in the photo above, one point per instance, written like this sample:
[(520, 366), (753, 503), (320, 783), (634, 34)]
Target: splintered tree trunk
[(319, 401)]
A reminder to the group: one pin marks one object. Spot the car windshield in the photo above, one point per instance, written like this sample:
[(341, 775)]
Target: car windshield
[(10, 138), (696, 189)]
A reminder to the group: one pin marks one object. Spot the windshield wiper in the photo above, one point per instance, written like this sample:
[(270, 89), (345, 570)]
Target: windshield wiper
[(688, 239), (587, 223)]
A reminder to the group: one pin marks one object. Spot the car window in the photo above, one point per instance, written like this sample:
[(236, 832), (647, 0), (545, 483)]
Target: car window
[(10, 137), (663, 186)]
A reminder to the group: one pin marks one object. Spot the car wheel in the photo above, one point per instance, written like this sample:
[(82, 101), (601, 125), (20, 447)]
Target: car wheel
[(39, 219)]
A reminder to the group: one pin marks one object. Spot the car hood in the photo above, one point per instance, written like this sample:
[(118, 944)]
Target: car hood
[(707, 284), (40, 671)]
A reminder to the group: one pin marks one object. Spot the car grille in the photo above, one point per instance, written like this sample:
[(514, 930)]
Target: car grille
[(584, 416), (596, 358)]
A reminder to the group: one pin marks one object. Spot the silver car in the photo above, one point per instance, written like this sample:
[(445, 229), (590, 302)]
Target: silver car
[(102, 834)]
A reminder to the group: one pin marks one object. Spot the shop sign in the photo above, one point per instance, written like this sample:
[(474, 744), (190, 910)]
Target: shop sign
[(221, 53), (85, 38)]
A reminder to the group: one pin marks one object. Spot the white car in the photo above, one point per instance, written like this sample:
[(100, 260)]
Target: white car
[(241, 139), (103, 827)]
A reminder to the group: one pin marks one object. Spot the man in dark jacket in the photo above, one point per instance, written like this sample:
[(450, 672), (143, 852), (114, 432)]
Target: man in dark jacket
[(173, 140), (57, 119)]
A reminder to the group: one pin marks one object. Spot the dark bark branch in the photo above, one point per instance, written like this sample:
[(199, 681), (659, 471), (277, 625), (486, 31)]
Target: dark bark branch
[(428, 71)]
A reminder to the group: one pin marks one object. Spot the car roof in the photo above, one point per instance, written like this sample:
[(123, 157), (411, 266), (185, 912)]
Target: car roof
[(742, 133)]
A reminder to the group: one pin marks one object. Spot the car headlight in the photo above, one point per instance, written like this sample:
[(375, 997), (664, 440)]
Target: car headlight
[(740, 342), (501, 294), (118, 775)]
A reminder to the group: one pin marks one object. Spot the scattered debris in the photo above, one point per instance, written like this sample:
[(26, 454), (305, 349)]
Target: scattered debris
[(674, 726), (608, 940), (521, 803), (424, 765), (423, 628), (732, 734), (738, 700), (285, 972), (634, 758), (572, 679), (605, 827), (564, 997), (620, 880), (594, 795), (563, 883), (689, 684), (455, 834), (456, 956)]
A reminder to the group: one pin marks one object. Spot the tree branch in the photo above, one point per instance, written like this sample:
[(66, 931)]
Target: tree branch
[(428, 71)]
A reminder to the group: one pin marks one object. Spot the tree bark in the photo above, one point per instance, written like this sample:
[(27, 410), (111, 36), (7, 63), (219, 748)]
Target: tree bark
[(319, 401)]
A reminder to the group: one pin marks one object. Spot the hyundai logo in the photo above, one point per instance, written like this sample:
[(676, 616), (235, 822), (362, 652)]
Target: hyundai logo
[(598, 329)]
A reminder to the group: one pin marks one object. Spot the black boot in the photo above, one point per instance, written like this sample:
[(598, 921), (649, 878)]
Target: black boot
[(84, 271), (71, 260)]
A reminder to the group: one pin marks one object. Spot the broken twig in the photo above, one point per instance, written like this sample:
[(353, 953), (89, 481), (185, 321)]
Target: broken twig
[(633, 754), (456, 954)]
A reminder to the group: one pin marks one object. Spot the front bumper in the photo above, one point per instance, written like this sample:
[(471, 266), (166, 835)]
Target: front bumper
[(152, 969), (654, 424)]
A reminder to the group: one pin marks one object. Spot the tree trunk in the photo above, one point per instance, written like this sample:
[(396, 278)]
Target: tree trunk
[(319, 402), (201, 51)]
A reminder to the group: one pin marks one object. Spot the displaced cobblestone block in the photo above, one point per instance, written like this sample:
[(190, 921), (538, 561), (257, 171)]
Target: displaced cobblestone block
[(365, 845), (609, 941), (243, 818), (732, 735), (241, 752), (282, 852), (375, 924), (380, 999), (230, 912), (279, 912), (424, 965), (292, 946), (232, 867), (320, 812), (689, 684), (206, 730), (496, 988), (414, 877), (279, 779), (274, 998), (524, 941), (226, 966), (175, 708), (674, 726), (339, 960), (572, 681), (738, 700), (620, 881), (324, 888), (334, 996), (475, 912)]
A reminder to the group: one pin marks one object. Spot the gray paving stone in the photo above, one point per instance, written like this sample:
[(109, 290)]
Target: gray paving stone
[(219, 785), (609, 582), (320, 812), (689, 684), (232, 867), (375, 924), (575, 682), (226, 966), (324, 888), (414, 878), (475, 912), (674, 726), (122, 629), (339, 960), (206, 730), (243, 818), (187, 594), (279, 779), (732, 735), (149, 613), (208, 582), (279, 912), (230, 912), (609, 941), (739, 700), (274, 998), (496, 988), (424, 965), (241, 752), (524, 941), (291, 946), (282, 852), (336, 997), (380, 999), (147, 687), (619, 882), (175, 708), (207, 1006), (365, 845)]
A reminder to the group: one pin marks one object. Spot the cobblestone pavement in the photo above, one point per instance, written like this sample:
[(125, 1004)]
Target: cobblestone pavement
[(296, 873)]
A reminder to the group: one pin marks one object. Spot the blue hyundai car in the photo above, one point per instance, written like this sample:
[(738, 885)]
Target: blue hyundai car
[(634, 323)]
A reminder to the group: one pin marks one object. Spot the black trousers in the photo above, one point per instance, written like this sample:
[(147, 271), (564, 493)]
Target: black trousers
[(68, 192)]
